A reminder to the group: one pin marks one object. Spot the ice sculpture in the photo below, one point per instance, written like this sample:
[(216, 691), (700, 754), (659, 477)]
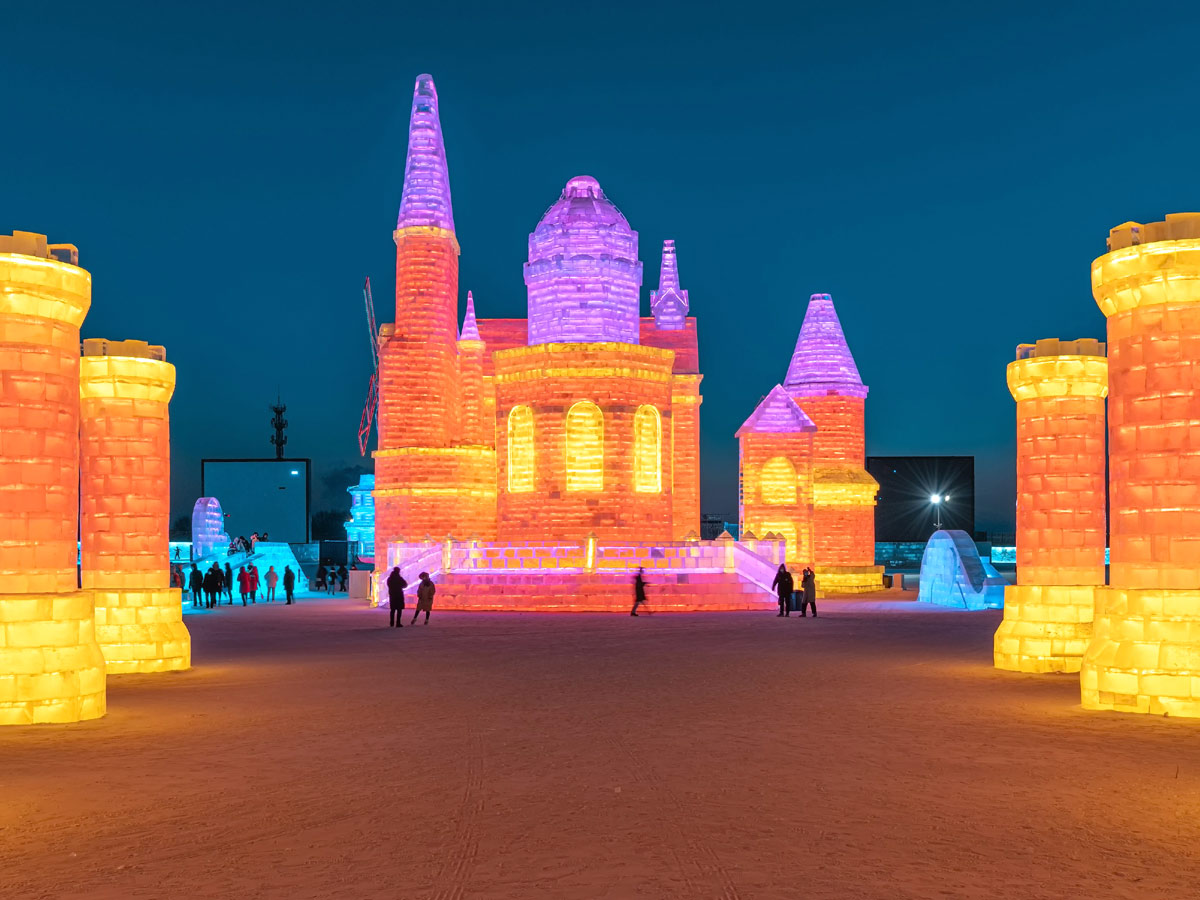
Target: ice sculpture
[(361, 527), (125, 463), (669, 303), (208, 528), (953, 574), (1145, 650), (51, 666), (1060, 388), (583, 274)]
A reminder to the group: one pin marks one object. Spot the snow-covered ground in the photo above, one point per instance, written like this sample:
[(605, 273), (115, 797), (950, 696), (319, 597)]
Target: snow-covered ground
[(873, 752)]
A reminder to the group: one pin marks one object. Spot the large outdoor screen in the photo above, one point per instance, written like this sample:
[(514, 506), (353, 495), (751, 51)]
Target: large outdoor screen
[(260, 495)]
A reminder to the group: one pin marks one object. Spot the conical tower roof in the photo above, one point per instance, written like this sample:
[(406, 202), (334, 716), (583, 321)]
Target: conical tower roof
[(470, 330), (777, 414), (426, 199), (822, 362)]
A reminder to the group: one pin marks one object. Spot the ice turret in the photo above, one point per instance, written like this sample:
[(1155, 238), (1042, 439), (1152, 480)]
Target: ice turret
[(822, 362), (470, 330), (426, 198), (669, 304), (583, 274)]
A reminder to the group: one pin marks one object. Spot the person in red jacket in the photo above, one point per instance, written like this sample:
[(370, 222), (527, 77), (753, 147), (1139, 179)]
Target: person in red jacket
[(244, 583), (253, 571)]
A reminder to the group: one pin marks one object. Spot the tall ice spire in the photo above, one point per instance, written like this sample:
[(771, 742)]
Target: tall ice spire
[(822, 362), (426, 198), (470, 331), (669, 304)]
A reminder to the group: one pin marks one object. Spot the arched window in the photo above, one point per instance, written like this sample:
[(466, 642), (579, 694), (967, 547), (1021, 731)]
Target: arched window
[(520, 450), (585, 447), (647, 451), (778, 482)]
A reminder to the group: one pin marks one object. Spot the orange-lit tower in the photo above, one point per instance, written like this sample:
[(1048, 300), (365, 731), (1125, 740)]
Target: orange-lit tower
[(1060, 388), (428, 479), (1145, 651), (125, 479), (823, 379), (51, 667), (775, 454)]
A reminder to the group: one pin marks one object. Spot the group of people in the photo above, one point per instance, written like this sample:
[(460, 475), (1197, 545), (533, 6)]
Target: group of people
[(785, 588), (245, 545), (329, 579), (209, 586), (395, 588)]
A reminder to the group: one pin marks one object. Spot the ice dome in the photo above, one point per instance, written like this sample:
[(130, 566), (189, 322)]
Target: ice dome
[(583, 274)]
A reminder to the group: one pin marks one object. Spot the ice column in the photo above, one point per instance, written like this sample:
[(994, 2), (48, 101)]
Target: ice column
[(1060, 388)]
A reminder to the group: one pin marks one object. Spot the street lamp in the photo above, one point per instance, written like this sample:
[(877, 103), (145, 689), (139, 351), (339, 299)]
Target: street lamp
[(937, 500)]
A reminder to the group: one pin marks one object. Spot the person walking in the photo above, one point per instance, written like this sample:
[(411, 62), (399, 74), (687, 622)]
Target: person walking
[(331, 580), (229, 583), (395, 588), (252, 571), (425, 592), (808, 589), (243, 583), (209, 587), (196, 583), (319, 581), (343, 575), (639, 592), (272, 577), (784, 584), (289, 583)]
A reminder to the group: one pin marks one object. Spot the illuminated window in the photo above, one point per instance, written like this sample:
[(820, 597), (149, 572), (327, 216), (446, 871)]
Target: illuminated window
[(520, 449), (647, 451), (585, 447), (778, 482)]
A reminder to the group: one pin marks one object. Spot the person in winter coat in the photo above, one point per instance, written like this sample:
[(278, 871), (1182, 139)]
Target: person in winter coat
[(395, 588), (425, 592), (343, 575), (228, 583), (639, 592), (272, 577), (289, 583), (210, 585), (808, 586), (319, 581), (243, 583), (196, 583), (784, 584), (252, 570)]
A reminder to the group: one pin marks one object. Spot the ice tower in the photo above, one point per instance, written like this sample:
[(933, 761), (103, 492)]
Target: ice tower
[(1059, 387), (823, 379), (1145, 650)]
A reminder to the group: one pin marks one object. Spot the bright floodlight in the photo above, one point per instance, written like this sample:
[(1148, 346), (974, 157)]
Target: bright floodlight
[(947, 498), (935, 498)]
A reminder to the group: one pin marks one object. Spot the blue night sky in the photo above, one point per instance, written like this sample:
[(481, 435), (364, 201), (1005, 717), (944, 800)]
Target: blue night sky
[(230, 172)]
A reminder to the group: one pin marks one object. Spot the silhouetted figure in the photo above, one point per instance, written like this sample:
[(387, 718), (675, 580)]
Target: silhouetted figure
[(272, 577), (243, 583), (210, 586), (425, 592), (196, 583), (808, 595), (784, 584), (395, 588), (289, 583), (252, 571), (343, 574), (639, 592), (229, 583), (319, 580)]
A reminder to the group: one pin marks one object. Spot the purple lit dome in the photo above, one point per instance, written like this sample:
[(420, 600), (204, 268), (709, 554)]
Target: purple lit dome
[(583, 274)]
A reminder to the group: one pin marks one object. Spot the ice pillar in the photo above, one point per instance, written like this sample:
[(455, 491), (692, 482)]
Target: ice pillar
[(125, 468), (1145, 650), (51, 667), (1060, 388)]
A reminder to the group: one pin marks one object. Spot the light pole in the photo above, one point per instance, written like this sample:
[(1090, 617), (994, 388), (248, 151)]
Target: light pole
[(937, 500)]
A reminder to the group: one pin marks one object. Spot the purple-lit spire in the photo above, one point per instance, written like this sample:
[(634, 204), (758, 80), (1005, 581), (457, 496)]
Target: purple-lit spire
[(470, 331), (426, 199), (822, 363), (777, 414), (669, 304)]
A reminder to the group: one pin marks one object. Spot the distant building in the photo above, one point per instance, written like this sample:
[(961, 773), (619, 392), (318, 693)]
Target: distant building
[(905, 510)]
